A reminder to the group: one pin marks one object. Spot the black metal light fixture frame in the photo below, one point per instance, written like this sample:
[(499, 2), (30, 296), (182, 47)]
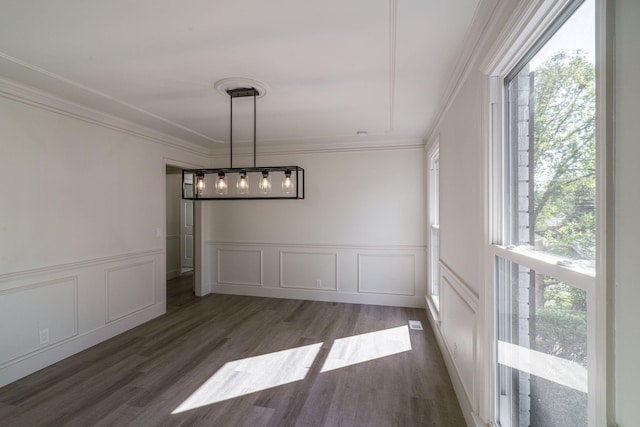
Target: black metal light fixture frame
[(190, 177)]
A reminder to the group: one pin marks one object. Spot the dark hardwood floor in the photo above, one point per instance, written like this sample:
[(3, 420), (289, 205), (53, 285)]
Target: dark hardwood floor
[(140, 377)]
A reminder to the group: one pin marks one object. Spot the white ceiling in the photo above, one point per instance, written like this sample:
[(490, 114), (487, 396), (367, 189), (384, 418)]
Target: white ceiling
[(331, 67)]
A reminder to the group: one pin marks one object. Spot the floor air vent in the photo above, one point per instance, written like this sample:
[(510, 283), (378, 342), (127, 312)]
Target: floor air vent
[(416, 325)]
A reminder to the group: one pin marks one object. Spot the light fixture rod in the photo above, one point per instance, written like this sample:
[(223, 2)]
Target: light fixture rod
[(255, 92), (231, 132), (242, 92)]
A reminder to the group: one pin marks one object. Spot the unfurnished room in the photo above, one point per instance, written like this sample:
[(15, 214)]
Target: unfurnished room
[(337, 213)]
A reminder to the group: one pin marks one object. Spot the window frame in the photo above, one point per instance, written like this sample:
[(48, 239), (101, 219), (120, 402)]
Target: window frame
[(433, 226), (533, 23)]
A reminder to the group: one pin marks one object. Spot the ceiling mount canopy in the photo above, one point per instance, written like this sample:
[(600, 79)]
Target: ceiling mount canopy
[(223, 86), (251, 183)]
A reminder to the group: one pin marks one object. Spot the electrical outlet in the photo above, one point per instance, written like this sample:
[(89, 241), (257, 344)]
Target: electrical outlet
[(44, 336), (318, 283)]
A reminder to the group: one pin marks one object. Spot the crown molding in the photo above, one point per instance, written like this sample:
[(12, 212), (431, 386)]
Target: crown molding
[(35, 76), (526, 24), (312, 146), (34, 97), (475, 37), (40, 99)]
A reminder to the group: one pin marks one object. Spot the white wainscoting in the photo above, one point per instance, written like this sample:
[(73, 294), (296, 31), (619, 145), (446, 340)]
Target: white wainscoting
[(377, 271), (129, 288), (457, 337), (240, 267), (79, 304), (309, 270), (382, 275), (27, 310)]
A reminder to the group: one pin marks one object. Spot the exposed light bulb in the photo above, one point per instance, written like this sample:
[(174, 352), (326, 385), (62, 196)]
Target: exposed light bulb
[(242, 185), (200, 184), (221, 184), (265, 182), (287, 182)]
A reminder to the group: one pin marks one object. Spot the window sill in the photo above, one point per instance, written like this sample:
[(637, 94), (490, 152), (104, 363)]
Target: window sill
[(548, 264)]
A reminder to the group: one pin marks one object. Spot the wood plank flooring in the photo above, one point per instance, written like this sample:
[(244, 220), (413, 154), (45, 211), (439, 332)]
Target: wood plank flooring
[(238, 348)]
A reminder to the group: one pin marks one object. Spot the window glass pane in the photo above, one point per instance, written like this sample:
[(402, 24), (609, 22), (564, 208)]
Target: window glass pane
[(434, 241), (552, 145), (435, 173), (435, 266), (542, 349)]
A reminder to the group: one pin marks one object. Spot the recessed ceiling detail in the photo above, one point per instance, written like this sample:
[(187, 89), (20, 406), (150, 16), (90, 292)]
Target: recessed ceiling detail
[(223, 85), (378, 65)]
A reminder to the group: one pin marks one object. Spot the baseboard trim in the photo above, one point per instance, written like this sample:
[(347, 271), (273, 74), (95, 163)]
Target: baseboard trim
[(471, 417)]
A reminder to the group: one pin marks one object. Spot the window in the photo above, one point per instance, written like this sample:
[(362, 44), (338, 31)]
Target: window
[(545, 251), (434, 226)]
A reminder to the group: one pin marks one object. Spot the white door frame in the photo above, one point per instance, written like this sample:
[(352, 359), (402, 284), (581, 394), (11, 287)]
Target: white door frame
[(201, 287)]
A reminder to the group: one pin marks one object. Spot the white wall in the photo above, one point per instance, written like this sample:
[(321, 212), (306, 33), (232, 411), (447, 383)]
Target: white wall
[(461, 184), (172, 198), (462, 241), (360, 230), (81, 225), (627, 207)]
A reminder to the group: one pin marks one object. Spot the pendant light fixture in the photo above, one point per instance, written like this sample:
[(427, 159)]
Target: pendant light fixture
[(221, 183), (287, 182), (200, 185), (242, 185), (265, 182), (252, 183)]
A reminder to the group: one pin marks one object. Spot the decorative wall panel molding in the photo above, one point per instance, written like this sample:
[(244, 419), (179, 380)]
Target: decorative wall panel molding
[(36, 316), (465, 291), (333, 246), (309, 270), (240, 267), (129, 288), (291, 271), (387, 274), (459, 328)]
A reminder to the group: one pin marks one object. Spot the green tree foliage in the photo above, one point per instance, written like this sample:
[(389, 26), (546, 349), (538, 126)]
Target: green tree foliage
[(561, 325), (564, 165), (564, 195)]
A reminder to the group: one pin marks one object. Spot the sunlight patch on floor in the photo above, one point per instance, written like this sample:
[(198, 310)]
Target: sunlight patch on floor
[(365, 347), (245, 376)]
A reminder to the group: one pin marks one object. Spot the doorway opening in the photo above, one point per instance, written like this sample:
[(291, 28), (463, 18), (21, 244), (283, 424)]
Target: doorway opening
[(180, 248)]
